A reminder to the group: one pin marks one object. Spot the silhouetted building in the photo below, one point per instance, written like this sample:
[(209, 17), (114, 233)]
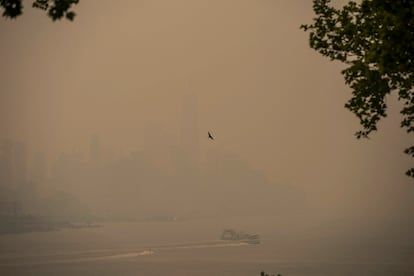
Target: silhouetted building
[(20, 162), (9, 207), (39, 167), (6, 164), (189, 142), (95, 149), (157, 144)]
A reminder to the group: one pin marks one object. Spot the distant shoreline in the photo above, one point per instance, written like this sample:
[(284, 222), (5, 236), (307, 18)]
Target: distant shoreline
[(29, 224)]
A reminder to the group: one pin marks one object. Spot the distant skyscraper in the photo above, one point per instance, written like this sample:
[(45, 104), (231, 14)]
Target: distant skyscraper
[(20, 162), (6, 163), (95, 149), (189, 142), (39, 167)]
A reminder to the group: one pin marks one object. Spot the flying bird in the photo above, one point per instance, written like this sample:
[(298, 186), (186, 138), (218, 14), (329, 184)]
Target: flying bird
[(210, 136)]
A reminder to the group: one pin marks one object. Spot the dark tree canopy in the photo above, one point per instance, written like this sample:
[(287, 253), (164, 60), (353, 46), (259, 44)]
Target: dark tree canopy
[(56, 9), (375, 39)]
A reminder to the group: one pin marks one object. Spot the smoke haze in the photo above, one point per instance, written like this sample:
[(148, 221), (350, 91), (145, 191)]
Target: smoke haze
[(107, 116)]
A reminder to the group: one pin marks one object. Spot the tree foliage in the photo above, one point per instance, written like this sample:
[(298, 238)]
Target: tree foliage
[(55, 9), (375, 39)]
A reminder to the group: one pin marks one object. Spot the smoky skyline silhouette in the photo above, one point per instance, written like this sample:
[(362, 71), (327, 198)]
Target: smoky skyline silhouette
[(107, 118)]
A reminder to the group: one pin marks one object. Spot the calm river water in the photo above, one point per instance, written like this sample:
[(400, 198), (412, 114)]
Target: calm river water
[(191, 247)]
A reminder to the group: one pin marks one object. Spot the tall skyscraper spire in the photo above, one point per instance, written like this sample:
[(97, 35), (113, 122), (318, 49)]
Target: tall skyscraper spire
[(189, 140)]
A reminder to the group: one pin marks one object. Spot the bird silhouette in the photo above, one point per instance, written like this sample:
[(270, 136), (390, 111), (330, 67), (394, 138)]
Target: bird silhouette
[(210, 136)]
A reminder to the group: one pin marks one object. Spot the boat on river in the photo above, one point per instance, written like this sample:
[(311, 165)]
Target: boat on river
[(233, 235)]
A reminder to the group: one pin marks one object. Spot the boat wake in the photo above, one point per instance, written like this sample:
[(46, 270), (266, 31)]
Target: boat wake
[(118, 256), (112, 255)]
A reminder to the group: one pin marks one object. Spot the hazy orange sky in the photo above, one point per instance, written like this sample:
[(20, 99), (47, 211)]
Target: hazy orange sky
[(123, 67)]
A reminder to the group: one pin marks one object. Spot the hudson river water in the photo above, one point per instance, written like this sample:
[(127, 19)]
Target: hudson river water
[(192, 247)]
